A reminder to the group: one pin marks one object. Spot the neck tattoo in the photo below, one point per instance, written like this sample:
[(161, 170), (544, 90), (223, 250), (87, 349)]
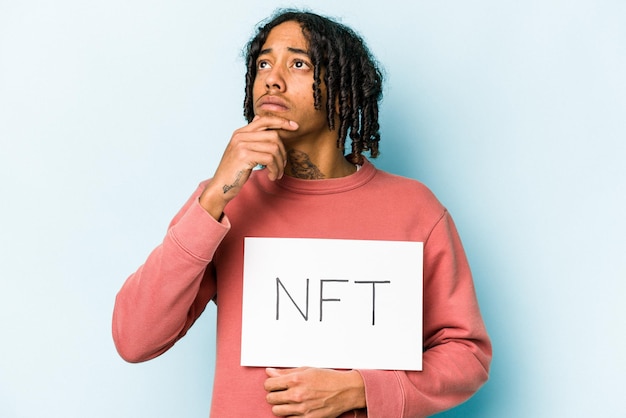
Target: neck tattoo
[(301, 166)]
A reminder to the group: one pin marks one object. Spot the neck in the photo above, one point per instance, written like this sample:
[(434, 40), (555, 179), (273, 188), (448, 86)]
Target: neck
[(311, 167)]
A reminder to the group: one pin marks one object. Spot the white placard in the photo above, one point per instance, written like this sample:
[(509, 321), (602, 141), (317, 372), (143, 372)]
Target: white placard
[(343, 304)]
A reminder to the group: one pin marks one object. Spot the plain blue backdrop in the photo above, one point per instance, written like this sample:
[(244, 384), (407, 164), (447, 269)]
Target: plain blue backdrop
[(512, 112)]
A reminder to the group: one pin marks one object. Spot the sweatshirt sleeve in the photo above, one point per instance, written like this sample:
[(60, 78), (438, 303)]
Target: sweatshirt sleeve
[(160, 301), (457, 349)]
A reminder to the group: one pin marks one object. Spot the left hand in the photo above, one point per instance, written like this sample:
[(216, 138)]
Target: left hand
[(314, 393)]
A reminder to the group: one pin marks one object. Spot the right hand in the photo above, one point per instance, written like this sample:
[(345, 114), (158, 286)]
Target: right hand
[(257, 143)]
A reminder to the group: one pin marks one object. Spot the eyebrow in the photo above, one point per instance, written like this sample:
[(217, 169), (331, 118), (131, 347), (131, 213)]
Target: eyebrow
[(290, 49)]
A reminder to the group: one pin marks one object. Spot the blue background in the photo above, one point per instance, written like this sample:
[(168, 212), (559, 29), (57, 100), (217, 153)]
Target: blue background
[(111, 112)]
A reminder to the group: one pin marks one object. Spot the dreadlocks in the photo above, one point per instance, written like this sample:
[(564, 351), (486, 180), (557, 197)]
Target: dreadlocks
[(352, 78)]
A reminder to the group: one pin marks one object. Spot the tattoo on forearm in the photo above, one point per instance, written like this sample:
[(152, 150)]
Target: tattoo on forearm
[(227, 187), (302, 167)]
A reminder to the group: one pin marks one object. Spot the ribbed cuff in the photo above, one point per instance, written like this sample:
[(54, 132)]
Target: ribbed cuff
[(198, 233), (383, 393)]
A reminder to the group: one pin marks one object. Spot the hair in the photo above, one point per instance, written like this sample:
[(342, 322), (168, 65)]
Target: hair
[(351, 76)]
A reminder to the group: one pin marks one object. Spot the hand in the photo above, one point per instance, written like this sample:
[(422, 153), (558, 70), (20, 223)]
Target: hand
[(314, 393), (256, 143)]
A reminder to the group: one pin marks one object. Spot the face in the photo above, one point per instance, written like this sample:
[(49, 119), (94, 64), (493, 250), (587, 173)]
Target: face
[(284, 82)]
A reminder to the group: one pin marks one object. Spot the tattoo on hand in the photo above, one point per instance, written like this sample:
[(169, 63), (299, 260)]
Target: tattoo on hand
[(227, 187), (302, 167)]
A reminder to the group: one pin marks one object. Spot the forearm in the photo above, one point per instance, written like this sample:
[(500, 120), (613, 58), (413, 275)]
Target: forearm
[(451, 374), (156, 305), (162, 299), (457, 350)]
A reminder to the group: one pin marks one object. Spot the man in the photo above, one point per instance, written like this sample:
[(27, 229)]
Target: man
[(310, 82)]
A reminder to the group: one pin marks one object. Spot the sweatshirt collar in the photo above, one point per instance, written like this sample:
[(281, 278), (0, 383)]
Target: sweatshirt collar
[(324, 186)]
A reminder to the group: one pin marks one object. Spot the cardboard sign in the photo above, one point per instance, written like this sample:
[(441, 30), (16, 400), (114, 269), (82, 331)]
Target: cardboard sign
[(342, 304)]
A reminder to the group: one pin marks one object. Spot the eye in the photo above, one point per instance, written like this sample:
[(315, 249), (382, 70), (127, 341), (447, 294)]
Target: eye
[(300, 64), (261, 65)]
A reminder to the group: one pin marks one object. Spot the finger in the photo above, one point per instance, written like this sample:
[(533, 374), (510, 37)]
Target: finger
[(278, 153), (269, 156), (282, 372), (275, 384), (272, 122), (281, 379), (244, 143), (265, 140), (272, 372), (277, 397)]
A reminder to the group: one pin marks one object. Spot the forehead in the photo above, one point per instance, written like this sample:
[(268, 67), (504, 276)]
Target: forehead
[(286, 35)]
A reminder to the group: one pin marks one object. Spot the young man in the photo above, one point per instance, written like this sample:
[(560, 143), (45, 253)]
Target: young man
[(310, 82)]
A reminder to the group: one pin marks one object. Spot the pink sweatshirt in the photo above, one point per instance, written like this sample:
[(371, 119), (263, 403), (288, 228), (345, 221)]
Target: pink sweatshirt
[(201, 259)]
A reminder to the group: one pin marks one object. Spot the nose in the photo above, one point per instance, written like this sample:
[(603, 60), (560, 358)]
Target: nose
[(275, 80)]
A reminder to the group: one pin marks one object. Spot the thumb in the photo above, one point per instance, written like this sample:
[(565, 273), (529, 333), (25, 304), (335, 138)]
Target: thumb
[(273, 372)]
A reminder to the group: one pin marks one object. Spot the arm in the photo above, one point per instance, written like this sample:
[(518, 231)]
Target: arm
[(457, 353), (457, 350), (161, 301)]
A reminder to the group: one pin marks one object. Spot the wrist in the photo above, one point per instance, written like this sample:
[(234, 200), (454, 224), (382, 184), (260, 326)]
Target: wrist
[(213, 201), (357, 389)]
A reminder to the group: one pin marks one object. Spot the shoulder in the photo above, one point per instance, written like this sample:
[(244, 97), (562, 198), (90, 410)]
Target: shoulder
[(406, 189), (395, 180)]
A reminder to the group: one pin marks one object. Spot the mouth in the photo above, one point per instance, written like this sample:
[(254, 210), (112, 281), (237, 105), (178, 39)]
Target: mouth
[(271, 104)]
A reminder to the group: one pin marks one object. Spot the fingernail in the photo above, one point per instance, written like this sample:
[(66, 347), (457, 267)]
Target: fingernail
[(294, 124)]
